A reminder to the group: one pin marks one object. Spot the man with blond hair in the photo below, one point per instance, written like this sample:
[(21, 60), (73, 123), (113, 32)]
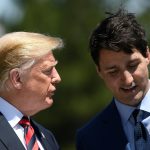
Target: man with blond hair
[(28, 79)]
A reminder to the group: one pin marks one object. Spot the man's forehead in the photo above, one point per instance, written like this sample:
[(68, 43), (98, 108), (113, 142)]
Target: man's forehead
[(112, 59), (49, 57), (47, 60)]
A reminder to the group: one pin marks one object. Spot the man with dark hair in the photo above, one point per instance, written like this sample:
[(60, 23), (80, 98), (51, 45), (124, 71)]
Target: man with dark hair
[(120, 51)]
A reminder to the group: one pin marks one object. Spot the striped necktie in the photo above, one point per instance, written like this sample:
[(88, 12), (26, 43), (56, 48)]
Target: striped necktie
[(29, 134)]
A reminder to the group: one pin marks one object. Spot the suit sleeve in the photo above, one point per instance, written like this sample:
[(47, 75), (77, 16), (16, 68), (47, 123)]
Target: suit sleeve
[(80, 143)]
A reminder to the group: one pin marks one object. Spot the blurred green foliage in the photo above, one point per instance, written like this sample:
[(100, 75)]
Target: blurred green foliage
[(81, 94)]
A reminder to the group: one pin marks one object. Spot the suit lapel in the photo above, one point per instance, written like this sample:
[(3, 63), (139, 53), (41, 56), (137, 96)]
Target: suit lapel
[(8, 136), (45, 144), (114, 127), (42, 138)]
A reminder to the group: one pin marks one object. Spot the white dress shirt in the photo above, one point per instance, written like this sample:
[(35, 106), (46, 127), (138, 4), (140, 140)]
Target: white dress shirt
[(13, 116)]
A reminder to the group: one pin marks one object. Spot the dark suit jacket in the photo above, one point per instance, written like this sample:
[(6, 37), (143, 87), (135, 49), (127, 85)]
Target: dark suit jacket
[(10, 141), (104, 132)]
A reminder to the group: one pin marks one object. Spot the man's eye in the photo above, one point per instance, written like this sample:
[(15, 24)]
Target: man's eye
[(47, 72), (133, 65), (113, 72)]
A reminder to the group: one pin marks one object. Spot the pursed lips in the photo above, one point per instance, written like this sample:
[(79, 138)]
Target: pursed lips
[(51, 93)]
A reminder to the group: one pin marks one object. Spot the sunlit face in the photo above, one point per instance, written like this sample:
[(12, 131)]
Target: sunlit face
[(39, 85), (126, 75)]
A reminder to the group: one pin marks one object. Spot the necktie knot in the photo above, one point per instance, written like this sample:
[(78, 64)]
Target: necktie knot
[(138, 115), (24, 122)]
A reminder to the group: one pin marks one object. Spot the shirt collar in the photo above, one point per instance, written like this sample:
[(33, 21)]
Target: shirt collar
[(145, 104), (12, 114), (124, 111)]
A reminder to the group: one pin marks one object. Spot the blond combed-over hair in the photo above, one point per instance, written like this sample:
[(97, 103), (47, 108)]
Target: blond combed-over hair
[(18, 48)]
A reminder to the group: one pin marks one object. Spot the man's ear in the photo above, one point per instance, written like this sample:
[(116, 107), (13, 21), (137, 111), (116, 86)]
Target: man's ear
[(15, 78), (148, 54)]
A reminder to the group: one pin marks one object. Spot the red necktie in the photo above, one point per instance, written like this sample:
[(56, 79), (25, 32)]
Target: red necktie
[(29, 134)]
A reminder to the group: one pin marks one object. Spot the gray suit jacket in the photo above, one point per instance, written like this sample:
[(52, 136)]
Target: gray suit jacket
[(10, 141)]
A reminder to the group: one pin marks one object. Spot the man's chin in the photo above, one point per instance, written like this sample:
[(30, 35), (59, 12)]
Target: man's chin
[(49, 101)]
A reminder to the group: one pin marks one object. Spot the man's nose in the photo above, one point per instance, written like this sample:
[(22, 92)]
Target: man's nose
[(127, 77), (55, 76)]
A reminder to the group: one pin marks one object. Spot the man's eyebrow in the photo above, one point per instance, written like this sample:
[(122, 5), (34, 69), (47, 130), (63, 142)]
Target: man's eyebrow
[(110, 67), (134, 60), (54, 63)]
